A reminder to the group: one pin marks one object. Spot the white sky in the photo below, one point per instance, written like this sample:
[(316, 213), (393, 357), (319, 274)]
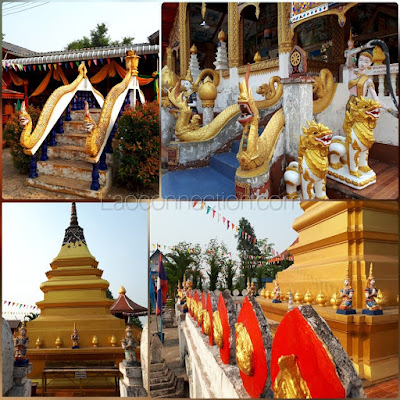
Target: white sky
[(33, 234), (52, 26), (173, 222)]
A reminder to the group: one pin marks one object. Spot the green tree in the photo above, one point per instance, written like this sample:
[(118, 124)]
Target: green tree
[(248, 250), (215, 257), (135, 321), (180, 261), (31, 316), (109, 295), (98, 38), (229, 273)]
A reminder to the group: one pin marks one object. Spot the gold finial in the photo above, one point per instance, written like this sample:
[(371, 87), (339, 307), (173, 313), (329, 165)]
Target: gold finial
[(58, 342), (347, 277), (193, 49), (113, 341), (221, 36), (378, 56), (321, 299), (371, 275), (188, 76), (38, 343), (122, 290), (257, 57), (132, 61), (203, 10), (95, 341), (350, 42)]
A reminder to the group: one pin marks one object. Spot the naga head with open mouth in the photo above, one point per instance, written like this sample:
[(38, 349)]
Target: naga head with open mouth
[(248, 108), (23, 118)]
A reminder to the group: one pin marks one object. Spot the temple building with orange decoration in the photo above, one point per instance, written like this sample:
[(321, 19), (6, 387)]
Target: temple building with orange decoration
[(295, 62)]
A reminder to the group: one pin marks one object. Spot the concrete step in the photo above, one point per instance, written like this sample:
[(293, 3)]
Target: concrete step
[(74, 126), (165, 378), (164, 385), (78, 114), (235, 146), (66, 185), (163, 393), (72, 138), (225, 163), (160, 373), (158, 367), (66, 151), (79, 170)]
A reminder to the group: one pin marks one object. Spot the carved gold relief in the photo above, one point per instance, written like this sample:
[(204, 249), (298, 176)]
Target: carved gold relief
[(244, 349), (184, 37), (206, 322), (233, 34), (217, 330), (285, 35), (289, 384)]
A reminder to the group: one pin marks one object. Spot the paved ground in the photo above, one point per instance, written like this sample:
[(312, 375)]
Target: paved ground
[(14, 187)]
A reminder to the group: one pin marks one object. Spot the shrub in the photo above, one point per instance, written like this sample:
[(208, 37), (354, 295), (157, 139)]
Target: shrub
[(12, 133), (138, 145)]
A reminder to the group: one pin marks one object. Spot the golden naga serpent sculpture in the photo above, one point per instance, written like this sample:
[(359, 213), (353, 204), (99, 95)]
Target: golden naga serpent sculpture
[(325, 88), (97, 135), (255, 152), (28, 140)]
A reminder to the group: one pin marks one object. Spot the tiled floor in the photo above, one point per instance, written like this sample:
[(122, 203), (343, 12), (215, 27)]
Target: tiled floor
[(383, 390)]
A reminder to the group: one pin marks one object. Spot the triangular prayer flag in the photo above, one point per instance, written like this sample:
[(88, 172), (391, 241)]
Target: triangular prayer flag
[(29, 67), (49, 66), (213, 213), (208, 209), (65, 65), (40, 67), (55, 66), (77, 63), (223, 219), (25, 68), (89, 62), (71, 64), (195, 203), (233, 225), (108, 60), (95, 62), (202, 204), (227, 225), (44, 67), (101, 60)]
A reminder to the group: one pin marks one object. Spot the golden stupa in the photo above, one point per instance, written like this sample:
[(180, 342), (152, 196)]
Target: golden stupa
[(339, 239), (74, 295)]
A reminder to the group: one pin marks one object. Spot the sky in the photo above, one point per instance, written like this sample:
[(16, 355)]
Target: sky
[(52, 25), (116, 235), (172, 222)]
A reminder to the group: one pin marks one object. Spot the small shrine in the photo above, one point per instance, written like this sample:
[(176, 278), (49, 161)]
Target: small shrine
[(75, 322), (124, 307)]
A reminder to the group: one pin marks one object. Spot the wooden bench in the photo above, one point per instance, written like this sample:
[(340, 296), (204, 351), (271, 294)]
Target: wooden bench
[(79, 370)]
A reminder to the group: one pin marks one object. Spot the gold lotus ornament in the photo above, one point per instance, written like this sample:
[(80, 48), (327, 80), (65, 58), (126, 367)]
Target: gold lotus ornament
[(58, 342), (95, 341), (257, 57), (199, 312), (262, 293), (298, 297), (194, 309), (217, 330), (267, 293), (321, 299), (308, 297), (39, 343), (206, 322), (335, 300), (289, 384), (113, 341), (244, 349), (287, 295)]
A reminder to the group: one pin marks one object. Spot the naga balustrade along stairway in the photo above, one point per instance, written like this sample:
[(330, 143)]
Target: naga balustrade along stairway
[(75, 156)]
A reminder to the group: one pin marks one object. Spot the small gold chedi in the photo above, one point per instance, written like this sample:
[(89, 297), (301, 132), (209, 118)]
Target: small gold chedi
[(95, 341), (221, 36), (321, 299), (308, 297), (257, 57), (267, 293), (113, 341), (58, 342), (38, 343), (287, 295), (298, 297), (381, 299), (335, 301), (208, 92), (244, 349)]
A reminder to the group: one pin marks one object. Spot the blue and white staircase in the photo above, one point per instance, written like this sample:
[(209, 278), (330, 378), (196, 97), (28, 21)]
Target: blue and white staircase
[(215, 182)]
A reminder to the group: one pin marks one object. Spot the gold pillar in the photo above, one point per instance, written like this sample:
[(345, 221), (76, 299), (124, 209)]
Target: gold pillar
[(184, 38), (285, 35), (233, 35)]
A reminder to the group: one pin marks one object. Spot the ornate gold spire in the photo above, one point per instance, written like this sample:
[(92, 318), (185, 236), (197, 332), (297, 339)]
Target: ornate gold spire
[(221, 36), (74, 233), (193, 49)]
